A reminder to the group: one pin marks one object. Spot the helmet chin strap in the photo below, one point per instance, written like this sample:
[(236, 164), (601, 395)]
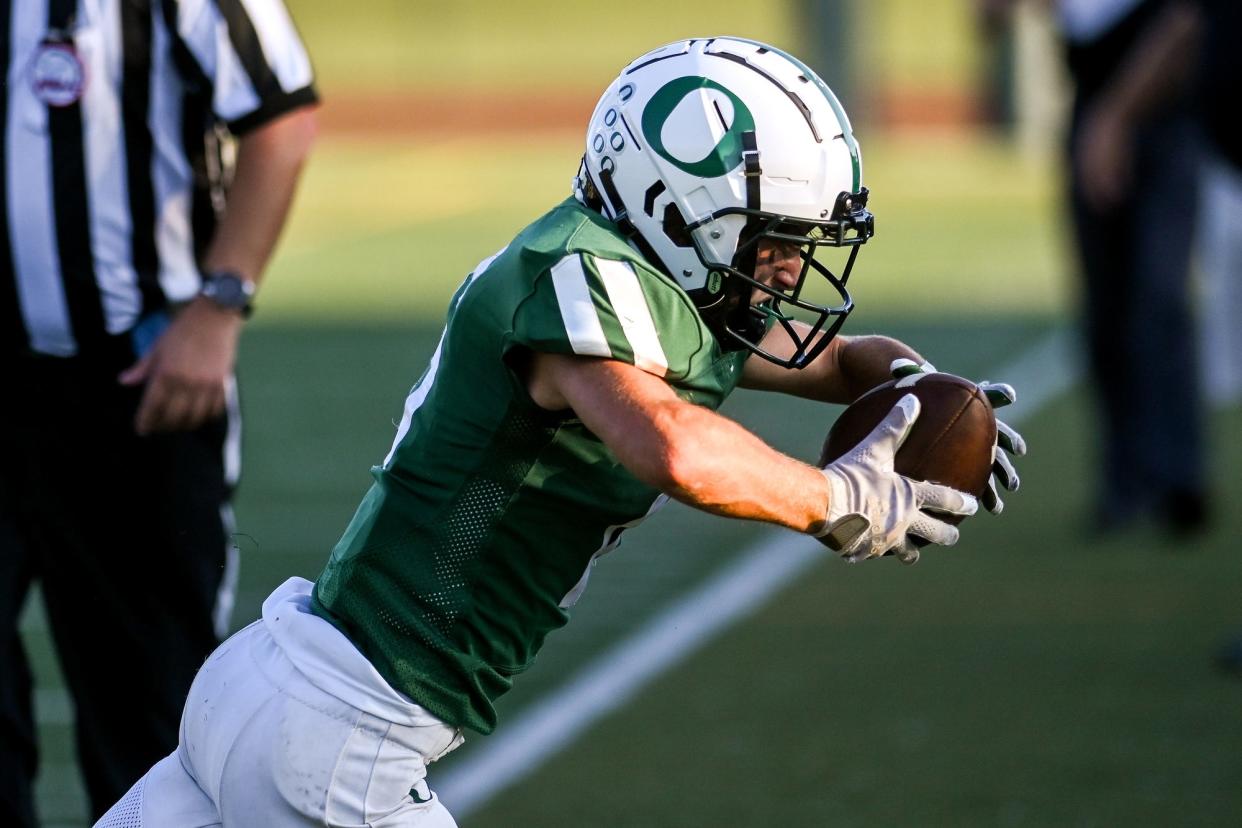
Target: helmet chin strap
[(752, 170), (733, 321), (728, 314)]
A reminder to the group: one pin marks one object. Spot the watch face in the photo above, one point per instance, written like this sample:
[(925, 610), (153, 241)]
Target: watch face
[(230, 291), (227, 290)]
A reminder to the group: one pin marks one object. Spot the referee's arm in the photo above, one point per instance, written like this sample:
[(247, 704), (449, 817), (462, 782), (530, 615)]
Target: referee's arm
[(186, 370)]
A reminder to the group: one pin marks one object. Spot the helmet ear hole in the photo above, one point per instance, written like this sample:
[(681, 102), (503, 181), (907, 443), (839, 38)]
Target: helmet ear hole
[(674, 226)]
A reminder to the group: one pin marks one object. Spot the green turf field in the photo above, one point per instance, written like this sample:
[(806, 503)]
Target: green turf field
[(1027, 677), (489, 44)]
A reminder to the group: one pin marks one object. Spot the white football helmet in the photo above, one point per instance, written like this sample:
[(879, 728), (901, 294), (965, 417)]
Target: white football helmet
[(703, 147)]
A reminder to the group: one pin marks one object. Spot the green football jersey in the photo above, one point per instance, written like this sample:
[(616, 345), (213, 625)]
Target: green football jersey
[(488, 512)]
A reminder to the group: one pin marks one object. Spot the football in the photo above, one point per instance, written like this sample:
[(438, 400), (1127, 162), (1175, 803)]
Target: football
[(950, 443)]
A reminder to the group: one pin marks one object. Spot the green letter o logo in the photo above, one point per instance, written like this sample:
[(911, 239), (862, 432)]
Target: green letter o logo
[(725, 155)]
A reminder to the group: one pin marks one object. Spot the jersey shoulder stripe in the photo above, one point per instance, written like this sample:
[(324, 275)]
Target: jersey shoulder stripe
[(634, 314), (627, 305), (571, 284), (578, 313)]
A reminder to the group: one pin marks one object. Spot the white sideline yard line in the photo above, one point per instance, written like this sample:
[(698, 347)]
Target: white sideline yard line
[(613, 678), (1041, 373)]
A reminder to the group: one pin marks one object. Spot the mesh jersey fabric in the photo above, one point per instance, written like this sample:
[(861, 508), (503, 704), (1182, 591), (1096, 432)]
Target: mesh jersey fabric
[(484, 519)]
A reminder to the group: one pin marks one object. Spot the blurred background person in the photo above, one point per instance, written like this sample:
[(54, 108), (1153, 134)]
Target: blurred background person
[(125, 277), (1192, 45), (1133, 173), (1220, 224)]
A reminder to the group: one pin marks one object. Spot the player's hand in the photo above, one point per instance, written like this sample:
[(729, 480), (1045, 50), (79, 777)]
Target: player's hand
[(1008, 441), (873, 510), (186, 370)]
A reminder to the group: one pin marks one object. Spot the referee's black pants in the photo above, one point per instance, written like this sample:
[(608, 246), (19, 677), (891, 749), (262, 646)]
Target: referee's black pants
[(1139, 323), (127, 538)]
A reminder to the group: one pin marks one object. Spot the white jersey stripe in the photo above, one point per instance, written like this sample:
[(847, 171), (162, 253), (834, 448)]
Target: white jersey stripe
[(226, 594), (32, 229), (232, 434), (235, 95), (206, 33), (281, 45), (171, 175), (418, 394), (610, 541), (107, 191), (630, 305), (416, 398), (573, 296)]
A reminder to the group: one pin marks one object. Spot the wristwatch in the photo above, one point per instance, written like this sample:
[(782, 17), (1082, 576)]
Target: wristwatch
[(229, 290)]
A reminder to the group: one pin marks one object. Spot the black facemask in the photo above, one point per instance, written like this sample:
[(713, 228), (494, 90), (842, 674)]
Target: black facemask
[(738, 323)]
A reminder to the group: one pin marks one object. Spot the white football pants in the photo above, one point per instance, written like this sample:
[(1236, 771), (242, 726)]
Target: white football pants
[(288, 725)]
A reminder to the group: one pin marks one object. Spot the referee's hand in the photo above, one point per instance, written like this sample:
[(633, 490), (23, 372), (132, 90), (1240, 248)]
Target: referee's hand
[(186, 369)]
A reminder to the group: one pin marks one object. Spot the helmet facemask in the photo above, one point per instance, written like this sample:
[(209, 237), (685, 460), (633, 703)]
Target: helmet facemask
[(739, 309)]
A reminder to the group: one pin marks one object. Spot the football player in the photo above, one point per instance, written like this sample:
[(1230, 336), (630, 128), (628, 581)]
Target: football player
[(572, 392)]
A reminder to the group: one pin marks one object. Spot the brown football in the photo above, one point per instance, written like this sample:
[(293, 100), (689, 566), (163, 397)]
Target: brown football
[(950, 443)]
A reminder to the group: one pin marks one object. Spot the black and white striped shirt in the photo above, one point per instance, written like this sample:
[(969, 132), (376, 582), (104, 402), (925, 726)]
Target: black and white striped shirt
[(111, 163)]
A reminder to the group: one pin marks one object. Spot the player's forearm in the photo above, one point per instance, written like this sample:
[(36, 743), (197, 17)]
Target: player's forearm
[(847, 368), (687, 451), (269, 163), (866, 361), (714, 464)]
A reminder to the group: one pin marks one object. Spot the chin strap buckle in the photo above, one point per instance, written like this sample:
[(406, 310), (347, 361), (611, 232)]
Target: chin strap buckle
[(751, 168)]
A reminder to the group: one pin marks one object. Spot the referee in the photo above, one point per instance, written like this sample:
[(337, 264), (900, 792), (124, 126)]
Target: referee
[(149, 153)]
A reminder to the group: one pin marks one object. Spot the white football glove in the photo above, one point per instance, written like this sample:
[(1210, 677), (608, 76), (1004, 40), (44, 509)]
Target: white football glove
[(873, 510), (1008, 441)]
